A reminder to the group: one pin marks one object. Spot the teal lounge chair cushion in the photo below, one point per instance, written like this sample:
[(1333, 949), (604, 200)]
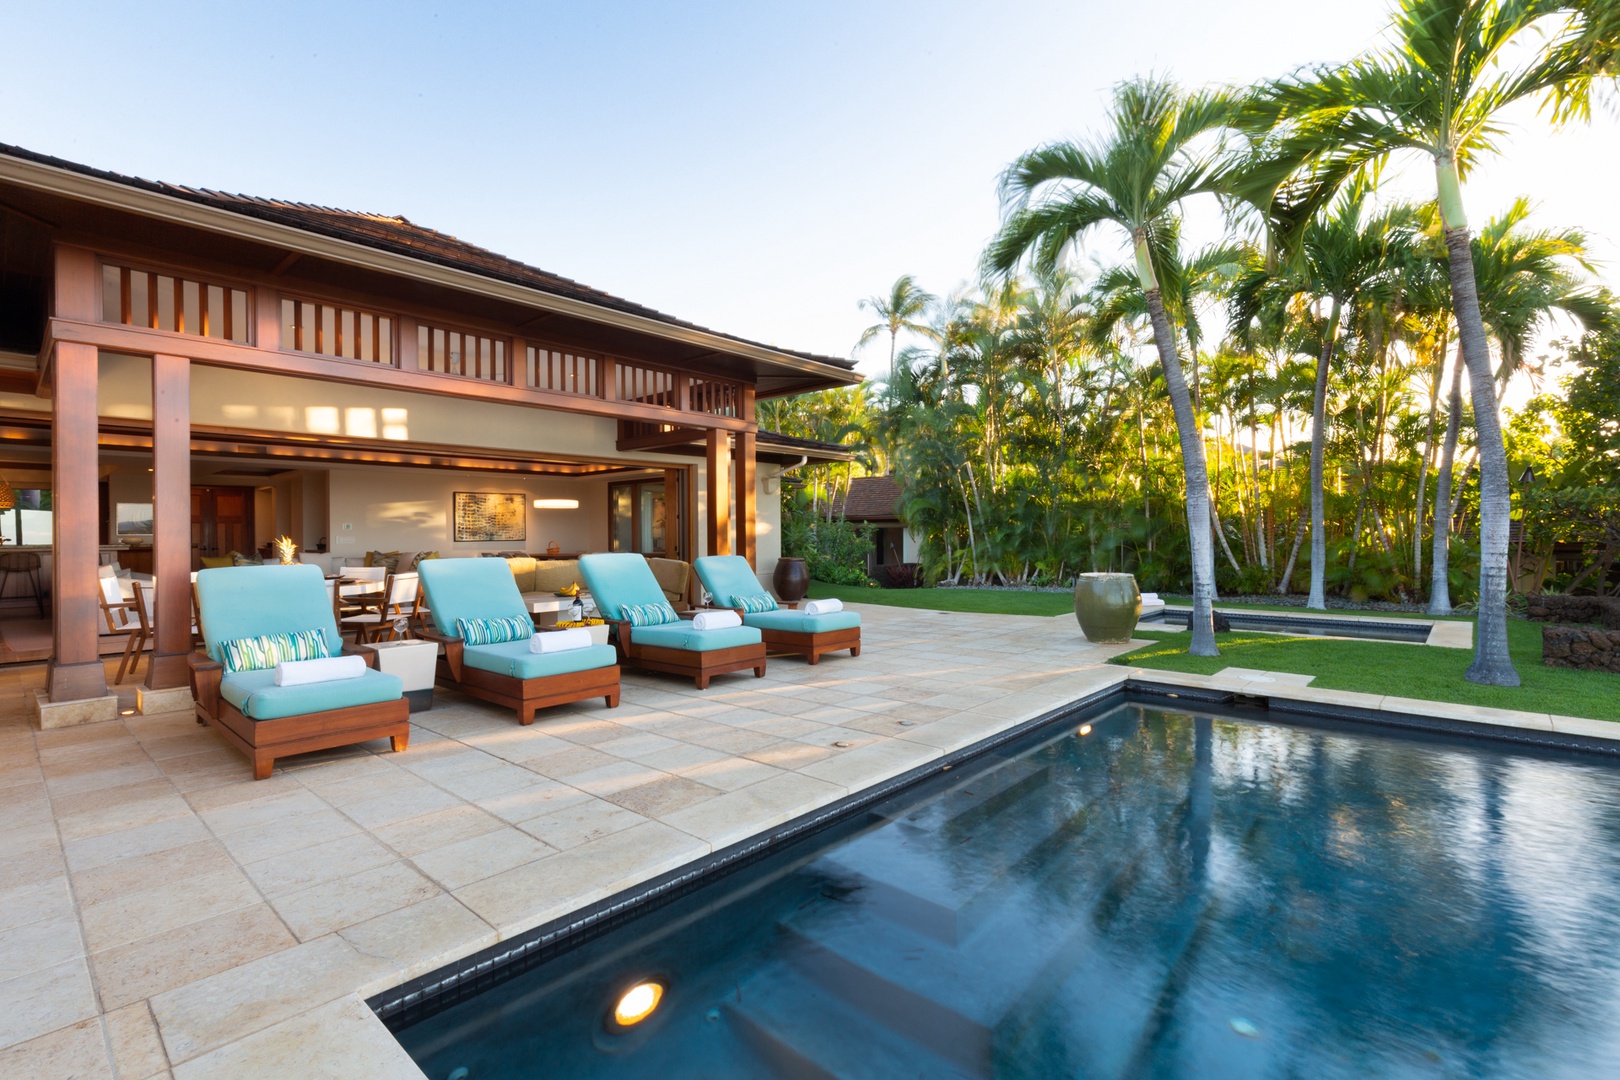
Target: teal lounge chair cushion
[(471, 589), (727, 577), (618, 580), (514, 658), (256, 694), (797, 622), (237, 602), (682, 636)]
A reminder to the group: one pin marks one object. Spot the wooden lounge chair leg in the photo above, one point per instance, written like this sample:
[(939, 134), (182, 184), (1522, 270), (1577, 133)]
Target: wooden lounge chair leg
[(702, 681), (526, 714), (854, 650), (262, 766), (815, 658), (612, 700), (401, 742), (759, 672)]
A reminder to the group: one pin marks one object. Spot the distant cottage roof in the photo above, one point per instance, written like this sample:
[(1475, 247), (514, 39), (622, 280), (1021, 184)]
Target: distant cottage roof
[(870, 498), (400, 236)]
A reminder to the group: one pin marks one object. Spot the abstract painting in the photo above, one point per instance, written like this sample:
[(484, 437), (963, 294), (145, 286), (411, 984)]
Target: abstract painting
[(482, 516)]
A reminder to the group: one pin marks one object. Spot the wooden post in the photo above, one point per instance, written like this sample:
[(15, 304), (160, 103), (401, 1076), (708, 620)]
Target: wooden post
[(171, 508), (719, 524), (76, 672), (674, 516), (745, 496)]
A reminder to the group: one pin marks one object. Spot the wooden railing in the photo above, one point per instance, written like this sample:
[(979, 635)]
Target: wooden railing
[(564, 371), (714, 397), (330, 330), (179, 305), (461, 352), (648, 385)]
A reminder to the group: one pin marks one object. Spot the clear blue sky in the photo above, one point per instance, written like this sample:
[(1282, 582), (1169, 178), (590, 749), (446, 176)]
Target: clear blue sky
[(753, 167)]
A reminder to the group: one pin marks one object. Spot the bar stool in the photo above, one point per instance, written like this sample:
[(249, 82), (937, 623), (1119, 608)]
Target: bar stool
[(27, 564)]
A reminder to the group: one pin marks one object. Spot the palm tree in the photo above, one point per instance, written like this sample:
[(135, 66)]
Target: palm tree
[(1440, 89), (1136, 179), (1341, 258), (903, 309), (1523, 275)]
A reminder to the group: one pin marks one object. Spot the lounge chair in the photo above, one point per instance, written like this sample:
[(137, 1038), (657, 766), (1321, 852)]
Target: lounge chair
[(266, 721), (625, 592), (729, 579), (461, 591)]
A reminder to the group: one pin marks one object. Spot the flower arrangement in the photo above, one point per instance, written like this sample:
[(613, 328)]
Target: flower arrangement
[(573, 623), (285, 550)]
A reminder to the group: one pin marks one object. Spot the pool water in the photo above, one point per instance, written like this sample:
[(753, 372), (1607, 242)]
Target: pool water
[(1410, 631), (1167, 895)]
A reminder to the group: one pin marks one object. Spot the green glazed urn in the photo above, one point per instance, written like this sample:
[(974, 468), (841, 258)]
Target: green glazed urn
[(1108, 607)]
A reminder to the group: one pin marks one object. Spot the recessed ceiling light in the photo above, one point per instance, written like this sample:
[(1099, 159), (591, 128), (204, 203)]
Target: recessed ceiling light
[(638, 1003)]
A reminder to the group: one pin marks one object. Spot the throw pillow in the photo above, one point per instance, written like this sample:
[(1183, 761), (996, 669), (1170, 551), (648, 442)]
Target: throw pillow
[(266, 651), (390, 559), (753, 605), (239, 559), (648, 614), (422, 557), (494, 631)]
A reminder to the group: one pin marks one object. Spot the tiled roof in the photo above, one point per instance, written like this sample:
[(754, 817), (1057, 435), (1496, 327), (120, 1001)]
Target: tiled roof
[(871, 498), (814, 446), (400, 236)]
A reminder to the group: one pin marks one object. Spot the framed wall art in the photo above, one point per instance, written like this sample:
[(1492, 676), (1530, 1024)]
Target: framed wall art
[(482, 516)]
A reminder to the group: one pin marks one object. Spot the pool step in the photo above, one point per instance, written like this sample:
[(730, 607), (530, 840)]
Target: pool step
[(801, 1032)]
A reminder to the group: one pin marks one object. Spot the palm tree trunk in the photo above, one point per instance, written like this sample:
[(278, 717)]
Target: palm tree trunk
[(1318, 597), (1493, 664), (1192, 460), (1293, 557), (1440, 570), (1428, 461)]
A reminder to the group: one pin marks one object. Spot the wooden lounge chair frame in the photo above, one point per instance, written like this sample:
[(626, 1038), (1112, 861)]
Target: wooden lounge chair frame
[(263, 741), (523, 695), (701, 666), (811, 646)]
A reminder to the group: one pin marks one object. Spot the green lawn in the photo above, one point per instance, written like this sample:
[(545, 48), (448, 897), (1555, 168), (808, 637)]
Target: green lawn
[(1415, 671), (984, 601), (1371, 667)]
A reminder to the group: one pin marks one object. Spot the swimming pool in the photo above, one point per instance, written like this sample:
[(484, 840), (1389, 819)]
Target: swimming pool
[(1412, 631), (1147, 893)]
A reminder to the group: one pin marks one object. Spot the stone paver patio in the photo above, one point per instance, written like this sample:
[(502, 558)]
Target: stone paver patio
[(163, 914)]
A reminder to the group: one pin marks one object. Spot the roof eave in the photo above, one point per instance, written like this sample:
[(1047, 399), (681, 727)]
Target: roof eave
[(109, 193)]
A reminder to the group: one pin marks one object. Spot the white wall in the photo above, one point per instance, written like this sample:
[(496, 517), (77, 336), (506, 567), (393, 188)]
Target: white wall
[(399, 509)]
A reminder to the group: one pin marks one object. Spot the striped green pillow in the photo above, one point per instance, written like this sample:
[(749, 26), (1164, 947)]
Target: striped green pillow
[(494, 631), (754, 604), (648, 614), (266, 651)]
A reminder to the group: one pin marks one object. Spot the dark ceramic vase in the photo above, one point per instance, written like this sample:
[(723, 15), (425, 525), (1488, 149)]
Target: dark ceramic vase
[(792, 579), (1107, 606)]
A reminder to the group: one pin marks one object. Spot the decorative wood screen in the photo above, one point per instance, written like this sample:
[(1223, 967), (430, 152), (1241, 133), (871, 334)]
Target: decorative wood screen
[(178, 305), (458, 352), (330, 330), (564, 371), (650, 386), (713, 397)]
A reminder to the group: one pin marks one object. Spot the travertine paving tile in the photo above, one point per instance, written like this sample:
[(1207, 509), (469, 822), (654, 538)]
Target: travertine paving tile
[(312, 865), (340, 903), (581, 822), (78, 1051), (137, 1049), (340, 1039), (467, 861), (736, 815), (663, 796), (41, 1001), (132, 916), (140, 872), (38, 945), (134, 972), (416, 835)]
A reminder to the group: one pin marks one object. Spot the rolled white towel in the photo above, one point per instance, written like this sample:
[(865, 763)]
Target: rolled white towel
[(325, 669), (575, 637), (1150, 598), (822, 607), (716, 620)]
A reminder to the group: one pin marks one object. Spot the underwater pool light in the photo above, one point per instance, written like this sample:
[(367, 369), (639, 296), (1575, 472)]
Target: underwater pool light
[(638, 1003), (1085, 729)]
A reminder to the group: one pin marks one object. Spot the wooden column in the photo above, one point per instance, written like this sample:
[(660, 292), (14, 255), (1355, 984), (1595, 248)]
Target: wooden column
[(674, 517), (171, 508), (744, 473), (76, 672), (719, 524)]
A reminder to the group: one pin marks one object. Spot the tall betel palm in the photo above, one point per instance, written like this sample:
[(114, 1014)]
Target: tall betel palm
[(1440, 89), (903, 309), (1159, 152)]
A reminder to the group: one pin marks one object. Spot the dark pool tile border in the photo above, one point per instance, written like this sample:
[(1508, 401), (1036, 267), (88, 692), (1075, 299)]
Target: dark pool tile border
[(1285, 709), (427, 994)]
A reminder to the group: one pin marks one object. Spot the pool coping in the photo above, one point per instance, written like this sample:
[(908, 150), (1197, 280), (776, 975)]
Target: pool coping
[(1443, 633), (443, 987)]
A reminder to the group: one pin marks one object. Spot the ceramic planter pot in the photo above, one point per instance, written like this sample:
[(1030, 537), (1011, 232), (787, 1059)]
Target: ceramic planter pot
[(791, 578), (1107, 606)]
